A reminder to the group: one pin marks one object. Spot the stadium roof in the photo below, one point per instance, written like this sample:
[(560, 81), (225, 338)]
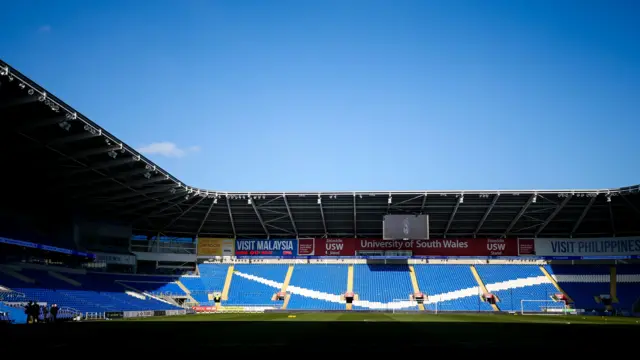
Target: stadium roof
[(56, 155)]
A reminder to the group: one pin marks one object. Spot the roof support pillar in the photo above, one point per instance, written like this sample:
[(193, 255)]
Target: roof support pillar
[(453, 215), (611, 218), (206, 216), (583, 215), (522, 211), (324, 222), (424, 203), (233, 224), (182, 214), (553, 215), (486, 214), (293, 223), (264, 226), (355, 217)]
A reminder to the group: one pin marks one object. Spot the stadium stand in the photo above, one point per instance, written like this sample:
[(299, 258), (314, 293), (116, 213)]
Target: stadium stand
[(450, 288), (379, 286), (256, 284), (513, 283), (102, 195), (318, 287), (583, 283)]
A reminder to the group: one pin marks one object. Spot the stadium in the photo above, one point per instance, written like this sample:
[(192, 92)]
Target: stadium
[(119, 244)]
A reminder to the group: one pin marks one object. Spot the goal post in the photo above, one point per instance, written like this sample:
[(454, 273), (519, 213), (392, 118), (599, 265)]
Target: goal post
[(543, 306), (432, 306)]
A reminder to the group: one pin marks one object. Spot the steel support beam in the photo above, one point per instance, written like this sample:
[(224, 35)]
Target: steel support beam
[(182, 214), (27, 99), (150, 202), (486, 214), (583, 215), (233, 224), (611, 218), (129, 184), (100, 165), (355, 217), (102, 150), (522, 211), (624, 197), (43, 122), (264, 226), (72, 138), (163, 209), (324, 222), (453, 215), (552, 215), (293, 223), (424, 203)]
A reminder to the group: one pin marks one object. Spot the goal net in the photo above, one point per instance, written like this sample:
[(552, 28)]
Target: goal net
[(543, 306)]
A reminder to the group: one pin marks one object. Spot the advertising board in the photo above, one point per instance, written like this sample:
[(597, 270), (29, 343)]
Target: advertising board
[(143, 313), (432, 247), (594, 247), (215, 247), (201, 309), (264, 247), (527, 247), (114, 314), (175, 312)]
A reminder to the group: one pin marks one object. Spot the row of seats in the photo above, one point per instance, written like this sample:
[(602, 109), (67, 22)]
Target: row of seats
[(87, 292), (448, 287)]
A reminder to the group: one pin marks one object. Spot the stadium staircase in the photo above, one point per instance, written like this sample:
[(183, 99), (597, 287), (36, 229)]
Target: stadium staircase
[(285, 284), (555, 284), (414, 283), (64, 278), (350, 285), (227, 283), (190, 298), (482, 286)]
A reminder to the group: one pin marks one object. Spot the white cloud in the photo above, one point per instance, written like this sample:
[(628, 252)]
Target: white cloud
[(167, 149), (45, 28)]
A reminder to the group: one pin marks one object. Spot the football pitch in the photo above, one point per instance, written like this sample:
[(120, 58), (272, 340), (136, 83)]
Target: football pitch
[(310, 333), (390, 317)]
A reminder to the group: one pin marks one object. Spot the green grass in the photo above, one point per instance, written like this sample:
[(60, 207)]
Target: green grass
[(389, 317), (309, 333)]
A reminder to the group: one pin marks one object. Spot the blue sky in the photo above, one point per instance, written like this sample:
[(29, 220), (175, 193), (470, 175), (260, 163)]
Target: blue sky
[(349, 94)]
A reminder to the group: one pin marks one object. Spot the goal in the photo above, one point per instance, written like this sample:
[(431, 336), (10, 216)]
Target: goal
[(543, 306)]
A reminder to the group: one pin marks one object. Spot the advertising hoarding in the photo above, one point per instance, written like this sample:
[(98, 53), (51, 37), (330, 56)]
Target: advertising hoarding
[(266, 247), (432, 247), (215, 247), (593, 247)]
